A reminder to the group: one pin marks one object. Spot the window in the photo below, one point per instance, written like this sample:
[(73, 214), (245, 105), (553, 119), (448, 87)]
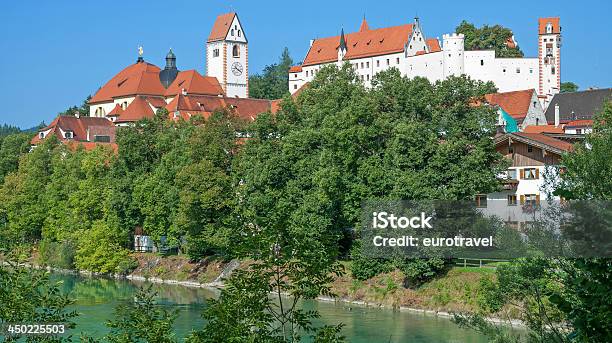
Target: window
[(552, 70), (103, 139), (124, 105), (41, 135), (578, 131), (361, 65), (549, 28), (530, 70), (294, 86), (511, 174), (378, 63), (537, 121), (531, 200), (504, 70), (68, 135), (481, 200), (529, 148), (512, 201), (236, 51), (481, 62), (368, 77), (397, 60), (511, 149), (216, 53), (232, 32), (518, 70), (239, 33), (387, 62), (367, 64), (530, 174)]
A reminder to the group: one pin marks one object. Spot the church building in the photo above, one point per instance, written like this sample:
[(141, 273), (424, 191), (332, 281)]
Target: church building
[(407, 48), (142, 88)]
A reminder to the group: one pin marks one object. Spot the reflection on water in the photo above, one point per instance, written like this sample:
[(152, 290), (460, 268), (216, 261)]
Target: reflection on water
[(97, 297)]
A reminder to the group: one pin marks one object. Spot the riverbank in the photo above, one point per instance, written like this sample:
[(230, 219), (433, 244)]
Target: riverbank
[(456, 291)]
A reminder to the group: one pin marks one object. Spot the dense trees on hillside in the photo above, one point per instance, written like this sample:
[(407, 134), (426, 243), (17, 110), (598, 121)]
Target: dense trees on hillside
[(567, 87), (488, 38)]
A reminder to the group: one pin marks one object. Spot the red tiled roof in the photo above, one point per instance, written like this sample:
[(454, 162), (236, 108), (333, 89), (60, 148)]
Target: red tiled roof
[(542, 129), (433, 45), (248, 108), (157, 102), (116, 111), (193, 83), (360, 44), (295, 69), (78, 126), (139, 78), (138, 109), (221, 26), (546, 141), (580, 123), (516, 103), (542, 22)]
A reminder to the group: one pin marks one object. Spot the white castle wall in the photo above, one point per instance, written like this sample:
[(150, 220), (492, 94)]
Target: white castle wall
[(454, 56)]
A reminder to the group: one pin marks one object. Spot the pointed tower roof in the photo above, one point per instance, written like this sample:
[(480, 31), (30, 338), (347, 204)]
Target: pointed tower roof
[(221, 27), (342, 40), (364, 25)]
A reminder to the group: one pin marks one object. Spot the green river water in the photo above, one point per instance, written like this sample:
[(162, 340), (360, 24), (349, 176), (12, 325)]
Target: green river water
[(97, 297)]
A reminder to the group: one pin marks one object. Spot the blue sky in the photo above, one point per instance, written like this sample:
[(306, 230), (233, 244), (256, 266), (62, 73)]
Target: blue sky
[(55, 53)]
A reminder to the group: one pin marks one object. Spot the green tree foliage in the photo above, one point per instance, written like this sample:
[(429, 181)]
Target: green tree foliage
[(488, 38), (28, 296), (567, 87), (142, 320), (11, 148), (588, 171), (273, 83)]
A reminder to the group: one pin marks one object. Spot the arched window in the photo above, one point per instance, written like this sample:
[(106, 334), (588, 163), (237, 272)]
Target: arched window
[(124, 105), (549, 28), (236, 51)]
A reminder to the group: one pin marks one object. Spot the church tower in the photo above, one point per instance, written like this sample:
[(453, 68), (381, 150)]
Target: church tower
[(549, 58), (227, 55)]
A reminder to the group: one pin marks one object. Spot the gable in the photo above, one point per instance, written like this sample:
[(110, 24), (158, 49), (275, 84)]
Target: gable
[(235, 33)]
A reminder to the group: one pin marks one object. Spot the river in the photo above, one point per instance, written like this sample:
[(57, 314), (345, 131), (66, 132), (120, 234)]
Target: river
[(97, 297)]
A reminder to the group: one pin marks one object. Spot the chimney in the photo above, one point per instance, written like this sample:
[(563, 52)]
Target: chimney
[(557, 119)]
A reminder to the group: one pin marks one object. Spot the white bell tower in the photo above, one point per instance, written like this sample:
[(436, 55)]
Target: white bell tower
[(227, 55), (549, 59)]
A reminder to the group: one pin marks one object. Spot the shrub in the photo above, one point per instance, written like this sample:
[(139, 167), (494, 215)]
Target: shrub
[(99, 251), (420, 270), (57, 254), (364, 268)]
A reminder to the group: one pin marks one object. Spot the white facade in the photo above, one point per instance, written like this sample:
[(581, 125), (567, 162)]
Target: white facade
[(508, 74), (227, 60)]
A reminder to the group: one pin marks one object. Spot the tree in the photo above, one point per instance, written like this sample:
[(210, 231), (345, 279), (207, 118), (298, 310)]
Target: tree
[(11, 149), (489, 38), (82, 110), (273, 83), (28, 296), (588, 172), (567, 87)]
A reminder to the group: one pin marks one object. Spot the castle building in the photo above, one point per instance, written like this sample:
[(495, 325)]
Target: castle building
[(407, 48), (140, 89)]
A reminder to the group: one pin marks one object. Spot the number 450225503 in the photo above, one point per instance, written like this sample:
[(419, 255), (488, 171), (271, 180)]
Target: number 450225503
[(23, 329)]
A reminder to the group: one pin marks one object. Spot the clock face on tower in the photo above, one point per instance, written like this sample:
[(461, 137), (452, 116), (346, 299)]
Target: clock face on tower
[(237, 68)]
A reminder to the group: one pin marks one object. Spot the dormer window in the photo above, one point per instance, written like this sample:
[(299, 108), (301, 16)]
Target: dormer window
[(549, 28), (41, 135), (69, 135)]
